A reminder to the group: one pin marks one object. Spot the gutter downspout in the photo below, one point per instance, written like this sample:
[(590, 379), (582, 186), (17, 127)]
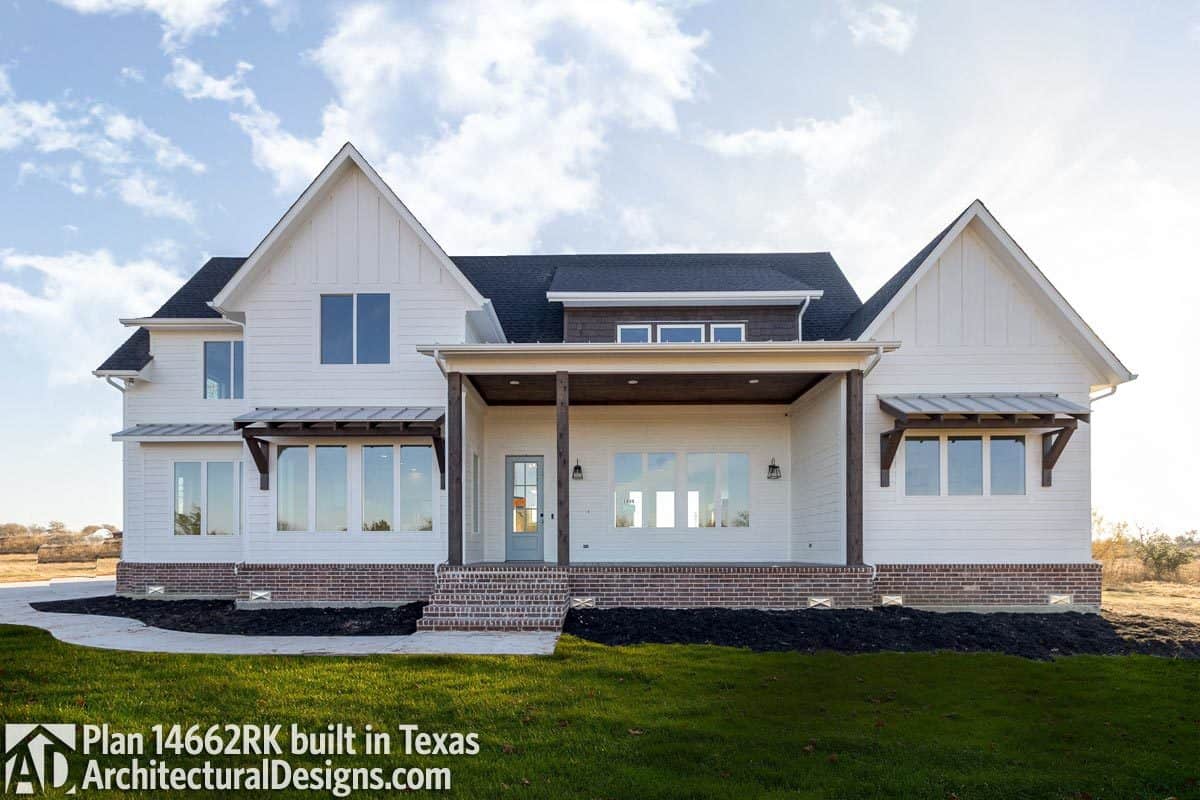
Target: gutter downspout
[(1111, 391), (800, 320), (874, 362), (109, 380)]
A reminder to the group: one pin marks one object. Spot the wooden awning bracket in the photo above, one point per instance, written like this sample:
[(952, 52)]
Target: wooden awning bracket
[(259, 452), (1053, 444)]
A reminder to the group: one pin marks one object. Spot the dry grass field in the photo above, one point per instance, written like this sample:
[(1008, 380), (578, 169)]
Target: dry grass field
[(25, 567)]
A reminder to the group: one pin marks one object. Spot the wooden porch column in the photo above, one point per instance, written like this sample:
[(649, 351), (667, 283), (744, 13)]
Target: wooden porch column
[(454, 467), (562, 405), (854, 467)]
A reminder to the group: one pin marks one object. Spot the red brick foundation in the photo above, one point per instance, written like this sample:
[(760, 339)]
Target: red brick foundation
[(679, 586), (780, 587), (989, 584), (393, 583), (215, 580)]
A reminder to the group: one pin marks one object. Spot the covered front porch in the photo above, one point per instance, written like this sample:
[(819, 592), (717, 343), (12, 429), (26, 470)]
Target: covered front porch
[(697, 455)]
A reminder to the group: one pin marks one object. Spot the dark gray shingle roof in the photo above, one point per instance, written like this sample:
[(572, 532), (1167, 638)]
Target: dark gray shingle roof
[(190, 301), (517, 285), (672, 277), (861, 319)]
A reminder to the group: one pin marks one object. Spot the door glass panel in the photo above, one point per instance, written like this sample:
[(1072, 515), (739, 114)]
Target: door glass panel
[(525, 499)]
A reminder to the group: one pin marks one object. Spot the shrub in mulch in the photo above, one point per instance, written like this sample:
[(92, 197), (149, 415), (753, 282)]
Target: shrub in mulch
[(222, 616), (1038, 636)]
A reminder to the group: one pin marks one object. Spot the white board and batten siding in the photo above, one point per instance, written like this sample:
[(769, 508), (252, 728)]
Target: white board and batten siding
[(349, 240), (969, 326)]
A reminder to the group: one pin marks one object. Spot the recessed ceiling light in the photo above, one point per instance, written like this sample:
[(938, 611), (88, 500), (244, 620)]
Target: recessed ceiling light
[(632, 381), (514, 383), (752, 380)]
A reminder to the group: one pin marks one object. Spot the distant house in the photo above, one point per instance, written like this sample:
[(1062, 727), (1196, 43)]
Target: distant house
[(347, 408)]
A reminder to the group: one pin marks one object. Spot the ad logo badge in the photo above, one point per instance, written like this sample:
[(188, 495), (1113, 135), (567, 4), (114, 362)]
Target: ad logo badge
[(35, 757)]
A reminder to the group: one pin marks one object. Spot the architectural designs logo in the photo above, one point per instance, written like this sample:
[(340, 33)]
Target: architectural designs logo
[(35, 757)]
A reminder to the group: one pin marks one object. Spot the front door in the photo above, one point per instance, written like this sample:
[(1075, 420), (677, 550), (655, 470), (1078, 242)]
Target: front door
[(523, 530)]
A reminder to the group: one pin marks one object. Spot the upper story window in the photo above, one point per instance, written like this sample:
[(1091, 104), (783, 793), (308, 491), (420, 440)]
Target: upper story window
[(224, 367), (681, 332), (355, 328), (684, 332), (633, 334), (729, 332)]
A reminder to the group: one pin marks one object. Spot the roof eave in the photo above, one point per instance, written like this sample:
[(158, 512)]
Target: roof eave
[(722, 298)]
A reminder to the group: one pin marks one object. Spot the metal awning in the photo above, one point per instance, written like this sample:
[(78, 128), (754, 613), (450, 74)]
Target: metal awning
[(178, 432), (338, 421), (370, 416), (924, 412), (933, 405)]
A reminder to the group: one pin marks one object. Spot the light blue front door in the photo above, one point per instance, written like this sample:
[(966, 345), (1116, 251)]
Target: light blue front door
[(523, 528)]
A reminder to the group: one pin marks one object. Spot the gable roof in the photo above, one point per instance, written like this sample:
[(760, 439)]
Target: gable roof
[(517, 285), (863, 323), (869, 311), (347, 154), (190, 301)]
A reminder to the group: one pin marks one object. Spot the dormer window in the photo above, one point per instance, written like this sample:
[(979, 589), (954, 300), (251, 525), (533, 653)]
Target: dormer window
[(681, 332), (633, 334), (728, 332)]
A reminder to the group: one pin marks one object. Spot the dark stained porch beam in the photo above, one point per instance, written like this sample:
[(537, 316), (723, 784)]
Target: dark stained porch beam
[(454, 468), (562, 410), (854, 467)]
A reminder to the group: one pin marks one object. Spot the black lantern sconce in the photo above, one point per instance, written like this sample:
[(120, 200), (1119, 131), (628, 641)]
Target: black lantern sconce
[(774, 473), (577, 471)]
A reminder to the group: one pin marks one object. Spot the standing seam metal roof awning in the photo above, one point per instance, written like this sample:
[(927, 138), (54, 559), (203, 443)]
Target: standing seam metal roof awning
[(170, 431), (999, 403), (315, 414)]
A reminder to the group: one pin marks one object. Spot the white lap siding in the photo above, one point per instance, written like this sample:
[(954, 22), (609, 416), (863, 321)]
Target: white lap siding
[(150, 471), (818, 475), (598, 434), (968, 327)]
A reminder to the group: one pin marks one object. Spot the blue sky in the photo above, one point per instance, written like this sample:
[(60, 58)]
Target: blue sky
[(138, 137)]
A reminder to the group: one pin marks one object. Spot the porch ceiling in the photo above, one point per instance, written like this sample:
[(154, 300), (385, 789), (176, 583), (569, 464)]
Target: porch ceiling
[(652, 388)]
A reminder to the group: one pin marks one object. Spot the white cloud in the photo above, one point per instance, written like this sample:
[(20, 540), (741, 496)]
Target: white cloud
[(69, 176), (5, 85), (181, 19), (525, 100), (881, 24), (149, 196), (825, 147), (131, 75), (69, 316), (121, 148)]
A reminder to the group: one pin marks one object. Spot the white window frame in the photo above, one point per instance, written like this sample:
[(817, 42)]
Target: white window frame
[(676, 326), (354, 487), (741, 326), (647, 327), (238, 496), (232, 368), (353, 295), (943, 438)]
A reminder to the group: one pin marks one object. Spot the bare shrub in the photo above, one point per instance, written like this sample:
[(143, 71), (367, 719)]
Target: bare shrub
[(1111, 547), (20, 545), (79, 551), (1161, 554), (8, 529)]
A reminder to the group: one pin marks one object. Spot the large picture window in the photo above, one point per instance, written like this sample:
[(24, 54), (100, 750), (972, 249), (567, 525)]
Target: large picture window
[(416, 488), (206, 498), (331, 488), (718, 490), (644, 490), (291, 492), (224, 370), (378, 488), (355, 328)]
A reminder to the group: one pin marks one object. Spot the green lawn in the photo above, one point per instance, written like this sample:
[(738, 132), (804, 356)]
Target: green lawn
[(713, 722)]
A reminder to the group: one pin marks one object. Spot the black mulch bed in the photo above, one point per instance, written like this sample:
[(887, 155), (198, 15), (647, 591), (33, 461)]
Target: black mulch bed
[(1039, 636), (221, 616)]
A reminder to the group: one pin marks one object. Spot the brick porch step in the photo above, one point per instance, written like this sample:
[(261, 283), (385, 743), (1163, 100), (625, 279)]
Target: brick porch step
[(497, 598)]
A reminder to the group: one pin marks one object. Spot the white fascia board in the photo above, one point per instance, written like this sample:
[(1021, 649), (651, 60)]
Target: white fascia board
[(347, 153), (625, 299), (699, 348), (181, 323), (487, 322), (117, 373)]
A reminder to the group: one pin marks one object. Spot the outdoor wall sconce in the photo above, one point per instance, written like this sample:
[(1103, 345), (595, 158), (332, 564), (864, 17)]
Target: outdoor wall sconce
[(774, 473), (577, 472)]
